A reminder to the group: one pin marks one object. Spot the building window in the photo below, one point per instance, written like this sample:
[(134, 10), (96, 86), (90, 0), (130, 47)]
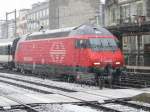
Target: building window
[(47, 11), (125, 42), (44, 12), (140, 9), (141, 60), (113, 15), (141, 42), (37, 15), (47, 22), (41, 14), (125, 13)]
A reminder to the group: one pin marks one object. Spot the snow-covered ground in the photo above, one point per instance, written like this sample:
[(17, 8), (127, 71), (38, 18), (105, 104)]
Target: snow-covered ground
[(59, 108), (67, 108), (84, 92), (123, 108), (71, 86), (140, 103)]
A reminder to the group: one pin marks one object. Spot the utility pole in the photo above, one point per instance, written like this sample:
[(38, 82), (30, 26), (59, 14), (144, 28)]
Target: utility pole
[(15, 22), (6, 25)]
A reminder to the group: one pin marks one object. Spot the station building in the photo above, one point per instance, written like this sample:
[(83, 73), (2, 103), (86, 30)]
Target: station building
[(129, 20), (68, 13)]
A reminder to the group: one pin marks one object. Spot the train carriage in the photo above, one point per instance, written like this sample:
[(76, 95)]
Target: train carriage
[(5, 52), (73, 52)]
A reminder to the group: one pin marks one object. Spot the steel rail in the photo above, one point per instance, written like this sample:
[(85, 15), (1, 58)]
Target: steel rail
[(92, 104), (26, 107), (26, 87), (40, 84), (146, 108)]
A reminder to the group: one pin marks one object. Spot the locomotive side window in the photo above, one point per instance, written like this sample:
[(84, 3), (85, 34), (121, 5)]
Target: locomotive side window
[(82, 43)]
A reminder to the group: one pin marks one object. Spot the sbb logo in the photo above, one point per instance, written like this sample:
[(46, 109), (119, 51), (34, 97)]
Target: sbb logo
[(57, 52)]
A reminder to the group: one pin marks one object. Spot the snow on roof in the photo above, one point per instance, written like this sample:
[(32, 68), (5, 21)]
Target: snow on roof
[(52, 31)]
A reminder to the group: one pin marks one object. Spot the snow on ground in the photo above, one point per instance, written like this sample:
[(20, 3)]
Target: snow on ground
[(123, 108), (60, 108), (66, 108), (115, 93), (71, 86), (140, 103), (10, 89), (110, 93)]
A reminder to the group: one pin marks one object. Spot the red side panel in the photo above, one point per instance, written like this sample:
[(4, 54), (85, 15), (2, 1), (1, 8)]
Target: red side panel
[(60, 52)]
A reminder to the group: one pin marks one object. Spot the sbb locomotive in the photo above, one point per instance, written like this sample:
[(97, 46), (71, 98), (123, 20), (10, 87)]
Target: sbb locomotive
[(79, 53)]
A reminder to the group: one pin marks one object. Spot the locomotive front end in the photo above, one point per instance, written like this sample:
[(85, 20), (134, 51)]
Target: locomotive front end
[(99, 51), (107, 60)]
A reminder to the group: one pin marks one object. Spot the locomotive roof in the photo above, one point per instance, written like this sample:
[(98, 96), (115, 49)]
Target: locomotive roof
[(71, 31), (52, 31)]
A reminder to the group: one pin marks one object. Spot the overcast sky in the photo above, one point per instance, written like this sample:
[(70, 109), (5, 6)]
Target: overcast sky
[(10, 5)]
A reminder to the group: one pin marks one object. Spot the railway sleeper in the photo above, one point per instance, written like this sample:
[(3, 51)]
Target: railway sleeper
[(22, 107), (146, 108), (135, 82), (133, 85)]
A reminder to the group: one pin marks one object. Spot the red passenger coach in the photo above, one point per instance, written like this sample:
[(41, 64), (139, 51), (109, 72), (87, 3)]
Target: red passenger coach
[(76, 53)]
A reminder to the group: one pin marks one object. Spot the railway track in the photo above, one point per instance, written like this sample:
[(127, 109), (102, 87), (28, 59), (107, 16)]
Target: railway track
[(135, 80), (125, 84), (121, 105), (126, 81), (101, 106), (35, 83), (22, 106)]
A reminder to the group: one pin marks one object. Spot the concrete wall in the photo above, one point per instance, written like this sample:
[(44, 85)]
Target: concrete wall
[(68, 13)]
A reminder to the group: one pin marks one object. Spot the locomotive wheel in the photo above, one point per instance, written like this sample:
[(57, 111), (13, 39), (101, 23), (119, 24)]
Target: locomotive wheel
[(100, 82), (68, 78), (23, 71)]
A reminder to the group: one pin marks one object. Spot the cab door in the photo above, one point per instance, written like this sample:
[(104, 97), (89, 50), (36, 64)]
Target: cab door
[(81, 53)]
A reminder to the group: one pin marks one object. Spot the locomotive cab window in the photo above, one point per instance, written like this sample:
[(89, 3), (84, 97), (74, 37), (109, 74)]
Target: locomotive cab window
[(98, 44), (82, 43)]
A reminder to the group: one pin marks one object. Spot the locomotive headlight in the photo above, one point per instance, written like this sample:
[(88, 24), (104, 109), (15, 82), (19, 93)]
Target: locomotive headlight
[(97, 63), (118, 63)]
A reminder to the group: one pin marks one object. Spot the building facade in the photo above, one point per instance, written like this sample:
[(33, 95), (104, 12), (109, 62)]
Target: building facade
[(126, 14), (22, 22), (3, 30), (11, 28), (38, 16), (8, 29), (68, 13), (126, 11)]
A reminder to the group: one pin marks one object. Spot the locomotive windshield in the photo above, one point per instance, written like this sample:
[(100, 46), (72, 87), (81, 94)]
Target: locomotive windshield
[(98, 44)]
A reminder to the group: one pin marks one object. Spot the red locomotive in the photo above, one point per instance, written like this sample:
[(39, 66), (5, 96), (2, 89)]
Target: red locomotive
[(76, 53)]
